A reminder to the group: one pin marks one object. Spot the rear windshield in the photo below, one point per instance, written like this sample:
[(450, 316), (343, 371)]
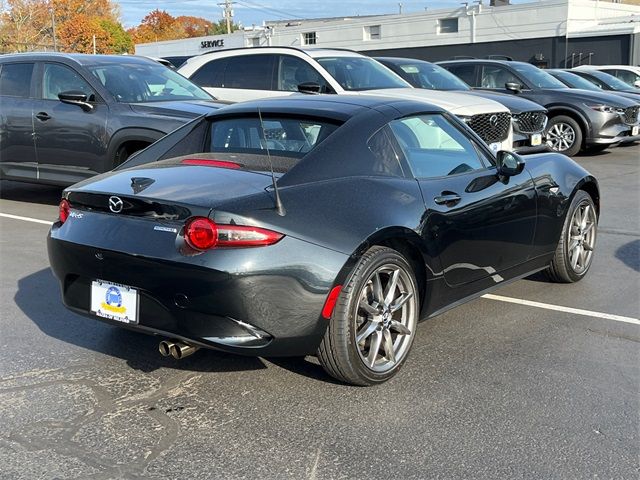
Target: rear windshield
[(254, 145), (288, 138)]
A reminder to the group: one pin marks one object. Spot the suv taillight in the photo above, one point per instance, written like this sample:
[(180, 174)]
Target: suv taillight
[(203, 233)]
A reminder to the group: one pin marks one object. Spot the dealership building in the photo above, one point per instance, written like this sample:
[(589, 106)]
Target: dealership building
[(548, 33)]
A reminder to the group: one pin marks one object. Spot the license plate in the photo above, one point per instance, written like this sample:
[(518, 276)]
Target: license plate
[(635, 130), (495, 146), (536, 139), (114, 301)]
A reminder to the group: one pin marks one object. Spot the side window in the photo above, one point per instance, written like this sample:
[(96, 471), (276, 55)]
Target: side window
[(292, 71), (495, 76), (467, 73), (253, 72), (15, 79), (211, 74), (58, 78), (625, 75), (434, 147), (387, 160)]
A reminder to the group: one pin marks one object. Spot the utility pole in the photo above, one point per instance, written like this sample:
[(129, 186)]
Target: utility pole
[(53, 30), (227, 11)]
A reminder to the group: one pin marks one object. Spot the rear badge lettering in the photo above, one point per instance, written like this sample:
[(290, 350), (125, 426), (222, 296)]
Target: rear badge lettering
[(165, 229), (76, 214)]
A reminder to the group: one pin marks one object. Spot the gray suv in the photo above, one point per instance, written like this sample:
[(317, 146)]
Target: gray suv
[(578, 119), (68, 117)]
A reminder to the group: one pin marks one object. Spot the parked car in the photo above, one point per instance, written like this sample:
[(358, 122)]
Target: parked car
[(261, 72), (316, 225), (627, 73), (578, 119), (67, 117), (607, 82), (571, 80), (529, 118)]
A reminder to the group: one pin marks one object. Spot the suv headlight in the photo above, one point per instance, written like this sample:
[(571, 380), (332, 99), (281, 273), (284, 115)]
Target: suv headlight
[(604, 108)]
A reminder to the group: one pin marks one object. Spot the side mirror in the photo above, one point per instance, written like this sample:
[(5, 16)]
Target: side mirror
[(76, 97), (636, 84), (311, 88), (509, 163), (513, 87)]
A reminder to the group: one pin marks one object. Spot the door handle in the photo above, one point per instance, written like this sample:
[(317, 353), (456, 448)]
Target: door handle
[(447, 198), (44, 116)]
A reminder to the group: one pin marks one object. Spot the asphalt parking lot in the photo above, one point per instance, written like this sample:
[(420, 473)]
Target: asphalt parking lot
[(492, 389)]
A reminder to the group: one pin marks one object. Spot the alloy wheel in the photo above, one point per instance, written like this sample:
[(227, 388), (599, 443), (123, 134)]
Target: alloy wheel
[(385, 318), (582, 237), (561, 137)]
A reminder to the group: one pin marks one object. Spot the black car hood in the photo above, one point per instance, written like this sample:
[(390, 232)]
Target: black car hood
[(512, 102), (592, 98), (176, 108)]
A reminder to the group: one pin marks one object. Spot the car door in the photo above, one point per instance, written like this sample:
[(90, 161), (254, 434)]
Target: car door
[(480, 224), (17, 146), (68, 136)]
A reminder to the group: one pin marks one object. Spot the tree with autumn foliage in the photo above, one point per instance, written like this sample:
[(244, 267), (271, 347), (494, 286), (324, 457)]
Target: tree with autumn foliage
[(158, 25), (27, 25)]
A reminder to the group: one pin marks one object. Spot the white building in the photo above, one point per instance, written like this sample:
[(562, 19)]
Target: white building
[(552, 33)]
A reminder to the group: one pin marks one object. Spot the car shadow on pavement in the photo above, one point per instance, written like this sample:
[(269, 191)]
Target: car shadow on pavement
[(629, 254), (30, 193), (38, 296)]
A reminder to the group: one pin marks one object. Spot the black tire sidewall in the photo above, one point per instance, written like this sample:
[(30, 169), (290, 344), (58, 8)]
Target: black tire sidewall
[(580, 197), (344, 311)]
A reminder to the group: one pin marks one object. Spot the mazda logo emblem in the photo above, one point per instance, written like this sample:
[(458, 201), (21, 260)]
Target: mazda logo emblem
[(115, 204), (493, 121)]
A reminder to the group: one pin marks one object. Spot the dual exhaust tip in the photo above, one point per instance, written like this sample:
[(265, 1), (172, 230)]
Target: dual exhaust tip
[(177, 350)]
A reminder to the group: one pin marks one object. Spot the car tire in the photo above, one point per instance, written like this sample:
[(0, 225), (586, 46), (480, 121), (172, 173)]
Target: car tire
[(374, 320), (574, 253), (564, 135)]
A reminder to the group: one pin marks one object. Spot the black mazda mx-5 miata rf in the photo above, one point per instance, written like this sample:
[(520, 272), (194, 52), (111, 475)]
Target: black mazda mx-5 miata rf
[(316, 226)]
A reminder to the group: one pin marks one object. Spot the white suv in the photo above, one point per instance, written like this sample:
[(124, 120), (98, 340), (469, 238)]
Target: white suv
[(252, 73), (627, 73)]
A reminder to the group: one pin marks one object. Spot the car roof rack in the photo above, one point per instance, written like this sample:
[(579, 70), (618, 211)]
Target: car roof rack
[(462, 57), (499, 57)]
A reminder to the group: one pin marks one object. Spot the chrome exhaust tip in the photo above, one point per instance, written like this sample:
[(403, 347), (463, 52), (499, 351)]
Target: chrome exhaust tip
[(181, 350), (164, 347)]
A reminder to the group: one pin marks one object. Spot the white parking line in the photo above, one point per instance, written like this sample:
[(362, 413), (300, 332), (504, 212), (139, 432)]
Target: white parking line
[(488, 296), (558, 308), (25, 219)]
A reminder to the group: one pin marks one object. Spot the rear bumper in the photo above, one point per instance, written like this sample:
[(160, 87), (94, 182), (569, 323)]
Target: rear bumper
[(267, 304)]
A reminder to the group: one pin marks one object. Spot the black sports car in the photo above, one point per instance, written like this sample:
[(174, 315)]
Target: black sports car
[(325, 226)]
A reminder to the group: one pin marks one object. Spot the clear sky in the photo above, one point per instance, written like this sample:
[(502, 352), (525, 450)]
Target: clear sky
[(250, 12)]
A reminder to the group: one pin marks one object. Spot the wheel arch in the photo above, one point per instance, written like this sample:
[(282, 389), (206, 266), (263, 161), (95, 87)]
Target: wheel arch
[(556, 110), (130, 135), (405, 241), (590, 185)]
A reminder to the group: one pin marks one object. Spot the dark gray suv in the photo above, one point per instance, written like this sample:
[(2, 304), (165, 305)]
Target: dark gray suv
[(578, 119), (64, 118)]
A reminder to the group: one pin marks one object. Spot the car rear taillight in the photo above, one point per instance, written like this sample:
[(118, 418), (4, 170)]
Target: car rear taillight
[(205, 162), (203, 233), (63, 210)]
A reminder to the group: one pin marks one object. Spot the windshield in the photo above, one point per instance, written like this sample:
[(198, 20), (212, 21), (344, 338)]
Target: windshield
[(613, 82), (432, 77), (538, 78), (575, 81), (146, 82), (361, 73)]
